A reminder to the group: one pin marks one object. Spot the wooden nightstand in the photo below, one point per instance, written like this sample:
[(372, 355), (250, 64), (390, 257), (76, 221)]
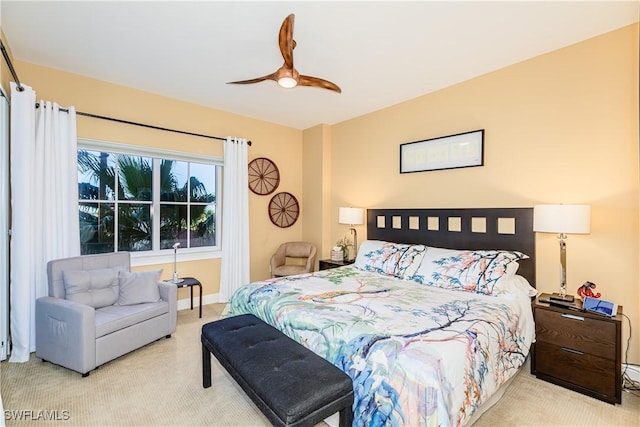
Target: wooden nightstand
[(326, 264), (578, 350)]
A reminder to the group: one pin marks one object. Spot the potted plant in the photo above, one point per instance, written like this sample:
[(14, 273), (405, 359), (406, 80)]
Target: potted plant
[(344, 244)]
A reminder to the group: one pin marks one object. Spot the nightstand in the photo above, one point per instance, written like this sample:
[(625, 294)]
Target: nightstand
[(326, 264), (578, 350)]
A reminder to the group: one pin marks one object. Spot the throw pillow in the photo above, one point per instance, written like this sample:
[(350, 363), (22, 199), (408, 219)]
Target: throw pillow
[(393, 259), (96, 288), (139, 287), (477, 271)]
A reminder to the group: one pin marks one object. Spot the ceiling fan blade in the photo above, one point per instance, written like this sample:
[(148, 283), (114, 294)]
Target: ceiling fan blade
[(271, 76), (287, 76), (318, 82), (286, 41)]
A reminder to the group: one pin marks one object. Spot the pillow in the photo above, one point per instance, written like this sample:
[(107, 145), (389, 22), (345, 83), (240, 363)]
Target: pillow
[(96, 288), (477, 271), (516, 285), (393, 259), (139, 287)]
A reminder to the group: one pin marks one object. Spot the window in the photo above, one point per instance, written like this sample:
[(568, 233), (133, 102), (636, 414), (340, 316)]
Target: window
[(140, 200)]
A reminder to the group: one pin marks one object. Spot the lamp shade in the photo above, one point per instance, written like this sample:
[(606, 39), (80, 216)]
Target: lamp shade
[(569, 219), (353, 216)]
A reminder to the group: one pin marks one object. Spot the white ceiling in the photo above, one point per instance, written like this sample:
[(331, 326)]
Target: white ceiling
[(380, 53)]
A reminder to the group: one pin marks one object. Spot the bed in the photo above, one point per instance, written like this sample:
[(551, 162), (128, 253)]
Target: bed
[(431, 321)]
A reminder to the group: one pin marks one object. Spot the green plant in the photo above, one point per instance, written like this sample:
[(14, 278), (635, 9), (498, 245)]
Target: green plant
[(344, 244)]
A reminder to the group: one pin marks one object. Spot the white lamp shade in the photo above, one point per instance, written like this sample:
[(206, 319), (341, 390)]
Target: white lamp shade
[(352, 216), (569, 219)]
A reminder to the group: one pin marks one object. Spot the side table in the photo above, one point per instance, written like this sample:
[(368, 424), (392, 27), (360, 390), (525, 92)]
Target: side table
[(191, 282), (578, 350), (325, 264)]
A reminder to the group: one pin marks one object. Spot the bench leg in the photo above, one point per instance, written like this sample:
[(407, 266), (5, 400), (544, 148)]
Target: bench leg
[(206, 367), (346, 417)]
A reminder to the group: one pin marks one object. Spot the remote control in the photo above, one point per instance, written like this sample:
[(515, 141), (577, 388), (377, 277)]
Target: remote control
[(560, 303), (566, 298)]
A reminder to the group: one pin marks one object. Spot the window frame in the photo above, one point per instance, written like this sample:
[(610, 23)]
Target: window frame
[(165, 256)]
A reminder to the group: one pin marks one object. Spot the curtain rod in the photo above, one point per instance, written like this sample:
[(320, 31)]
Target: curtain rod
[(10, 65), (111, 119), (95, 116)]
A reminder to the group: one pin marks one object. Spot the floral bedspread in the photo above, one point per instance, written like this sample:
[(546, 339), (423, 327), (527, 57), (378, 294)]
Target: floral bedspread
[(418, 355)]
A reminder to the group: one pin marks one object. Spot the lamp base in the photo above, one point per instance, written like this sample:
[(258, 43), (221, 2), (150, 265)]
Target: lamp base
[(176, 279), (556, 296)]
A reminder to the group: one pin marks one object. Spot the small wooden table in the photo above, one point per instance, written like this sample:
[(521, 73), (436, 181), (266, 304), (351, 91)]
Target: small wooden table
[(191, 282), (325, 264)]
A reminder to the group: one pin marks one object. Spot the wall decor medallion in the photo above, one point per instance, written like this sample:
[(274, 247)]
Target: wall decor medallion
[(446, 152), (284, 209), (264, 176)]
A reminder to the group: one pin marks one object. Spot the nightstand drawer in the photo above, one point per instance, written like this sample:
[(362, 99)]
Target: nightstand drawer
[(572, 330), (585, 370)]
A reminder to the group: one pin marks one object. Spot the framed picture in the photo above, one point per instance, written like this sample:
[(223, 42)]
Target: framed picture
[(462, 150)]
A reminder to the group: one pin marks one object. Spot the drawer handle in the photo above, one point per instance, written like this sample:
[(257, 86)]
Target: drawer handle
[(572, 316), (570, 350)]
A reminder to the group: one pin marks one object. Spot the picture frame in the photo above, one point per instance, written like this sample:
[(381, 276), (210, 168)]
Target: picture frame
[(461, 150)]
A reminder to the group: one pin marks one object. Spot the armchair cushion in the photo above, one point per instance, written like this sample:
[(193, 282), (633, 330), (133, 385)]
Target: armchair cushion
[(95, 288), (115, 318), (139, 287)]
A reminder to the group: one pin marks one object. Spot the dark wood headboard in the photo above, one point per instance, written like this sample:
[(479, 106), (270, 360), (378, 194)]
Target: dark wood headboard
[(473, 228)]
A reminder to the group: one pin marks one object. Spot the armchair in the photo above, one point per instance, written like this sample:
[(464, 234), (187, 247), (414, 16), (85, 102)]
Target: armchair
[(304, 252), (97, 310)]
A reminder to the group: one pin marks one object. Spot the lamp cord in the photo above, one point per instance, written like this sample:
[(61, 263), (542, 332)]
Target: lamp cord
[(629, 384)]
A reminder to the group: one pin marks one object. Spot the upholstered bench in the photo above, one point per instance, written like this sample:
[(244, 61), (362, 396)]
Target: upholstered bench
[(289, 383)]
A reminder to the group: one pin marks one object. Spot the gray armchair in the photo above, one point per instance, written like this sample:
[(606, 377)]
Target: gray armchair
[(293, 258), (98, 310)]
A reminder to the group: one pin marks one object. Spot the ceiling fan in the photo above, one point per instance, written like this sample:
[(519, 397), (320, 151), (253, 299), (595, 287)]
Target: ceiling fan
[(287, 76)]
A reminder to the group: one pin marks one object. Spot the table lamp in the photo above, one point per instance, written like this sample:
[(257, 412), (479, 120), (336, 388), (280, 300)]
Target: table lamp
[(352, 216), (562, 219), (176, 279)]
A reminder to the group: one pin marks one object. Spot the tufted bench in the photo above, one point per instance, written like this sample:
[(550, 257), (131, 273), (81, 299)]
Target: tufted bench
[(289, 383)]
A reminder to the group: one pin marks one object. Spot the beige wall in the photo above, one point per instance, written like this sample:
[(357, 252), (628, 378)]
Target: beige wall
[(281, 144), (316, 180), (560, 128)]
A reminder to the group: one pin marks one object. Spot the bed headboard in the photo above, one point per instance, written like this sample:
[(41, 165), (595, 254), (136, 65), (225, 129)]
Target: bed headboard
[(473, 228)]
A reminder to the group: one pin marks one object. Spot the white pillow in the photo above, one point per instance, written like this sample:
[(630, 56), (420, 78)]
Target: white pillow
[(139, 287), (469, 270), (517, 285)]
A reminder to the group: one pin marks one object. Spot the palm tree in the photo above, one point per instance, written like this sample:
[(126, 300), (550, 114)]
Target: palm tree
[(134, 192)]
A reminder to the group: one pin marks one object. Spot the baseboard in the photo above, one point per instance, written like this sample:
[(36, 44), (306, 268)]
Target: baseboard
[(185, 304), (632, 371)]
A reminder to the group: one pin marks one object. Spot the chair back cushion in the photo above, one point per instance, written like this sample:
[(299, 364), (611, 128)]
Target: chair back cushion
[(55, 268), (96, 288), (298, 249)]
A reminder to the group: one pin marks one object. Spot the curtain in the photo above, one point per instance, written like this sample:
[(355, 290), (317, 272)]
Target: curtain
[(4, 226), (44, 206), (234, 271)]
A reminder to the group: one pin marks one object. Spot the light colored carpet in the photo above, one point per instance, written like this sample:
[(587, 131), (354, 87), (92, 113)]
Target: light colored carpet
[(161, 384)]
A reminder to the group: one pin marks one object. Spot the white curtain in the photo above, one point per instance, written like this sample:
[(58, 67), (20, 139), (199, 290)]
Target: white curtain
[(235, 218), (44, 206)]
